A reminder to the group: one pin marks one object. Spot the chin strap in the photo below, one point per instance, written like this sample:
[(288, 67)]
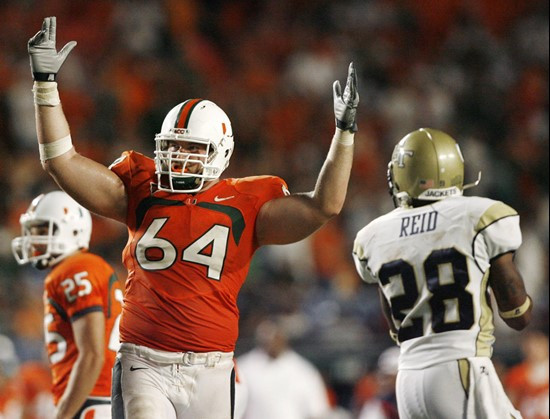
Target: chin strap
[(402, 200), (183, 184), (42, 264)]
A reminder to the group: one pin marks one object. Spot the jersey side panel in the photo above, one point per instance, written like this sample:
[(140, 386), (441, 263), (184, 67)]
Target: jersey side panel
[(498, 232)]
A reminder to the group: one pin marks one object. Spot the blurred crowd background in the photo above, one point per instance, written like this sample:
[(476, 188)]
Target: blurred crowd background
[(477, 69)]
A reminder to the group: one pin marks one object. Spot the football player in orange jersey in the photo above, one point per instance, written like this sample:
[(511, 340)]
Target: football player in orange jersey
[(82, 304), (191, 237)]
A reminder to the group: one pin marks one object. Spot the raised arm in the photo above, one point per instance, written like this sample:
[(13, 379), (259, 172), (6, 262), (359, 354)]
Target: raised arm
[(294, 217), (91, 184)]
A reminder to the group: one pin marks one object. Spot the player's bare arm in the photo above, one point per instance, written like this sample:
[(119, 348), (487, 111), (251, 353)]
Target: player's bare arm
[(514, 305), (294, 217), (89, 336), (88, 182)]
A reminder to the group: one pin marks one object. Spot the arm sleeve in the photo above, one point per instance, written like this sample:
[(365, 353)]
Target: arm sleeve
[(266, 188), (500, 228), (261, 189), (361, 262), (122, 167)]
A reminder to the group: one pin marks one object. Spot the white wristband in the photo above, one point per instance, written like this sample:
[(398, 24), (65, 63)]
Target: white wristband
[(45, 93), (55, 149), (518, 311), (344, 137)]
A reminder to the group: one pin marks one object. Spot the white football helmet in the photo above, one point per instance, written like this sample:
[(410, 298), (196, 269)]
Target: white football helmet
[(195, 121), (69, 227)]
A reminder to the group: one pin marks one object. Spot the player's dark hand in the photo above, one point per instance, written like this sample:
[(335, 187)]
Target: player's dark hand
[(45, 60), (345, 105)]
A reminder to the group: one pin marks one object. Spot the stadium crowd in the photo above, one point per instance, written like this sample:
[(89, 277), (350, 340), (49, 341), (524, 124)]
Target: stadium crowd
[(475, 69)]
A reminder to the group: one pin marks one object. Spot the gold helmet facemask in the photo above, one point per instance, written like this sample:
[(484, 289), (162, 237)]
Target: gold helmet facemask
[(426, 165)]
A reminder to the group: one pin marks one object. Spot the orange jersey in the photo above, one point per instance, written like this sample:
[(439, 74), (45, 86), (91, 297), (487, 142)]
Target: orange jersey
[(530, 388), (31, 392), (81, 284), (10, 398), (187, 257)]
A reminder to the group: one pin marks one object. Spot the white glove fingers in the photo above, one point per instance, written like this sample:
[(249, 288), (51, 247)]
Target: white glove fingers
[(66, 50), (345, 105), (35, 40), (351, 95), (351, 70), (46, 29), (353, 75), (336, 89), (52, 29), (347, 92)]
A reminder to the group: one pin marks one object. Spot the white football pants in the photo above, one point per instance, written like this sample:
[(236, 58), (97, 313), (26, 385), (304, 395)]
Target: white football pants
[(149, 383), (460, 389)]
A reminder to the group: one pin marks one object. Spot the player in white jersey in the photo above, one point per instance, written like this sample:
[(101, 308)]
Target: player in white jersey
[(436, 258)]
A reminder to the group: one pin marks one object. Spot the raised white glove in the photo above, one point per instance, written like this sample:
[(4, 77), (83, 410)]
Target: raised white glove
[(345, 105), (45, 60)]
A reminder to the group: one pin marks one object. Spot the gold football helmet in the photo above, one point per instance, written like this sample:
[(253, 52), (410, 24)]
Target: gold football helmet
[(426, 165)]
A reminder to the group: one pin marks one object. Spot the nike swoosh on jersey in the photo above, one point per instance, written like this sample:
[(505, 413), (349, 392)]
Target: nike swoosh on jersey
[(218, 199), (132, 368)]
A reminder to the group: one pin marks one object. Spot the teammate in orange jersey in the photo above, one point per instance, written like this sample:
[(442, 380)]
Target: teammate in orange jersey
[(82, 303), (191, 237), (31, 394), (527, 383)]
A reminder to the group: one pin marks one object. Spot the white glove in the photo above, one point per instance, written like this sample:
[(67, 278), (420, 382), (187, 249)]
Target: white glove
[(345, 106), (45, 60)]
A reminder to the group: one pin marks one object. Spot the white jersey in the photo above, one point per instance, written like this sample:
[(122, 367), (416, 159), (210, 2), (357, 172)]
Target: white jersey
[(432, 264), (288, 386)]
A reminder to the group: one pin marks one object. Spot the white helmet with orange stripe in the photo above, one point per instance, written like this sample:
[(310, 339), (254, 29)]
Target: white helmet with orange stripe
[(193, 147), (53, 227)]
